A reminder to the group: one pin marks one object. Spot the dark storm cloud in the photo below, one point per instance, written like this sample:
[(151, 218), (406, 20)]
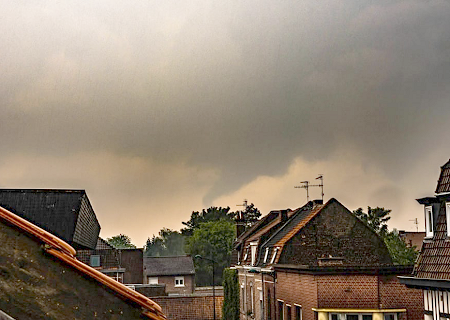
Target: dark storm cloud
[(243, 87)]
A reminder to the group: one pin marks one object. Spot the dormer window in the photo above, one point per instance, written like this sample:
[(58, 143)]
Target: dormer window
[(274, 255), (447, 214), (429, 221), (266, 255), (253, 247)]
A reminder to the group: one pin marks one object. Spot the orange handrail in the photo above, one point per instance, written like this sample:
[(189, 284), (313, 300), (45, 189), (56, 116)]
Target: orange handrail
[(63, 251)]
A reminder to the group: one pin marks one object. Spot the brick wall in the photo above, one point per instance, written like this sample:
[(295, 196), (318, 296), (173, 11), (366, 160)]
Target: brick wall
[(190, 308), (169, 282), (347, 291), (299, 289), (393, 294)]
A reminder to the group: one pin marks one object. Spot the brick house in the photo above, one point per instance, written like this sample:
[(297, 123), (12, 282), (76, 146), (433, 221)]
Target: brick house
[(432, 269), (320, 262), (177, 273), (123, 265)]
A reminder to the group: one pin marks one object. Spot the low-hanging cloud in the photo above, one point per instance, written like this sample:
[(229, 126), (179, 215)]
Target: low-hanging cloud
[(239, 88)]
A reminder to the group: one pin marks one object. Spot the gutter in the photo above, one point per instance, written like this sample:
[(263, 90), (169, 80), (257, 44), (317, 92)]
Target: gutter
[(424, 283)]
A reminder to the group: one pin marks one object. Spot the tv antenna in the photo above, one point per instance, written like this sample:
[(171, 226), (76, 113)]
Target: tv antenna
[(416, 222), (306, 185), (244, 204)]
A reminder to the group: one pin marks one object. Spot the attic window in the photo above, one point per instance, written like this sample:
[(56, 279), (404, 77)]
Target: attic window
[(266, 255), (447, 214), (253, 247), (429, 221), (274, 255), (245, 255)]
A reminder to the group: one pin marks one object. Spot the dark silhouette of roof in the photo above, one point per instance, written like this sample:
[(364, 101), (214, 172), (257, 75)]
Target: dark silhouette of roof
[(168, 266), (67, 214), (443, 184)]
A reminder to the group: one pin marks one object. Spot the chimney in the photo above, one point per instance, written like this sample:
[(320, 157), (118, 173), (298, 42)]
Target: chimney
[(283, 215), (240, 226)]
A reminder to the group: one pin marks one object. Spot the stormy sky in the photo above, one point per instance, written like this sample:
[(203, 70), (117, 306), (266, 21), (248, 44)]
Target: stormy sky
[(159, 108)]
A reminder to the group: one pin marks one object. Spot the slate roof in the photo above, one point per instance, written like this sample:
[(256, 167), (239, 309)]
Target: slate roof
[(444, 179), (67, 214), (168, 266)]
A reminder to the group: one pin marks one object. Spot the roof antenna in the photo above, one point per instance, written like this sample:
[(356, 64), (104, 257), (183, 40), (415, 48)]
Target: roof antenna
[(416, 222), (244, 204), (306, 186)]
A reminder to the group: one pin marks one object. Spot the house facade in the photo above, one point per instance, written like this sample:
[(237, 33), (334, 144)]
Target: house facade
[(432, 270), (177, 273), (123, 265), (320, 262)]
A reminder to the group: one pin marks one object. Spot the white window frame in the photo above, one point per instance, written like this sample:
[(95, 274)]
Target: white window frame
[(429, 226), (180, 280), (152, 280), (266, 255), (447, 214), (274, 255), (253, 249)]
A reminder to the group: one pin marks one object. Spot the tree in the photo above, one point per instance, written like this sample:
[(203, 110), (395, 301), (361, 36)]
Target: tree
[(249, 215), (376, 219), (210, 214), (168, 243), (230, 307), (121, 241), (212, 240), (400, 252)]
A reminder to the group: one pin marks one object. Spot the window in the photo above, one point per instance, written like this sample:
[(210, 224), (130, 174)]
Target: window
[(152, 280), (280, 310), (179, 281), (351, 317), (390, 316), (366, 317), (447, 213), (266, 255), (274, 255), (288, 312), (253, 247), (335, 316), (298, 312), (429, 221), (94, 261)]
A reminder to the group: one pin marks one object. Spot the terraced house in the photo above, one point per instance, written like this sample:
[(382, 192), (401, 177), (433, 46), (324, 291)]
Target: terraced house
[(320, 262), (432, 270)]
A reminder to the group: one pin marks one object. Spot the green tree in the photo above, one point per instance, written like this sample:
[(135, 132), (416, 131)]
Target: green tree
[(230, 307), (376, 219), (167, 243), (213, 240), (210, 214), (401, 254), (121, 241)]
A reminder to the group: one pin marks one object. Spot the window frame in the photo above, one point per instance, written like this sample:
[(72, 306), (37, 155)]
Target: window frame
[(91, 259), (179, 279), (447, 215), (429, 223)]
